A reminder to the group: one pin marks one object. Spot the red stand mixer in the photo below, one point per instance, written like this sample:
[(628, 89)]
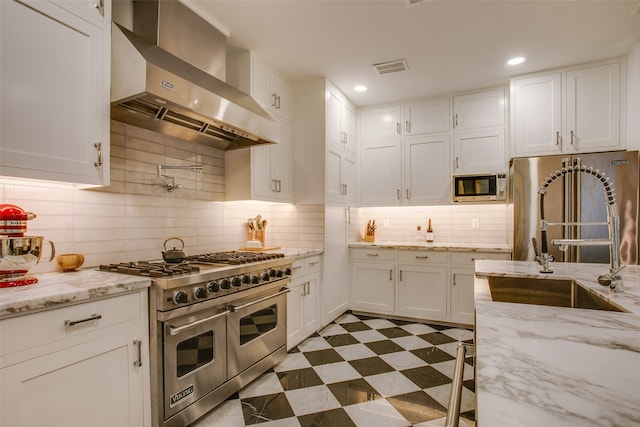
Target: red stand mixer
[(18, 253)]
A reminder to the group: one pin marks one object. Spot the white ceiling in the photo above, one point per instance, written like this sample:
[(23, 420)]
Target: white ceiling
[(449, 45)]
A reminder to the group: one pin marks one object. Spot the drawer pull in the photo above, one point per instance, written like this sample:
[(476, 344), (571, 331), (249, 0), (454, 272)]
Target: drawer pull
[(138, 345), (372, 254), (69, 323), (422, 257), (314, 262)]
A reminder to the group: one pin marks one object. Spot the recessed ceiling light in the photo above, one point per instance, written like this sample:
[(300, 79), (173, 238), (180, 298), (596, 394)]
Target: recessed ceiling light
[(360, 88), (516, 61)]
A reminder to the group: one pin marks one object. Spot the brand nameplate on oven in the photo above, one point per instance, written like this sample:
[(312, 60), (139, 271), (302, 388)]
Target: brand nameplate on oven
[(174, 399), (166, 84), (619, 162)]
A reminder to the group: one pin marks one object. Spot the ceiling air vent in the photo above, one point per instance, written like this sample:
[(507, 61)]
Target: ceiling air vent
[(391, 67)]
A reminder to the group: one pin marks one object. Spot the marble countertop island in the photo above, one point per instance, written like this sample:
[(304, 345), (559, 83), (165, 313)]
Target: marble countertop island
[(553, 366)]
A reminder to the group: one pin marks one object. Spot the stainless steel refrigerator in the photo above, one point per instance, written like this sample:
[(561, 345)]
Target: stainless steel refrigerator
[(576, 197)]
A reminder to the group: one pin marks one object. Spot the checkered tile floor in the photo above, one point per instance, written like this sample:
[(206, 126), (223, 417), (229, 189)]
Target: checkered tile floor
[(357, 371)]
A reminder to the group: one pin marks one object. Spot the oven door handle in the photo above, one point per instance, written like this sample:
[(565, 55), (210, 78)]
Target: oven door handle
[(173, 330), (240, 307)]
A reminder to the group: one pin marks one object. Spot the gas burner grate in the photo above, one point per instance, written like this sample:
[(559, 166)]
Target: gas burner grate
[(151, 269), (233, 257)]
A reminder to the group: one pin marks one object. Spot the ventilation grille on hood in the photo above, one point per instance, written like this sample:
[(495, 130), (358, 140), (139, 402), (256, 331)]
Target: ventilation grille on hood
[(160, 112)]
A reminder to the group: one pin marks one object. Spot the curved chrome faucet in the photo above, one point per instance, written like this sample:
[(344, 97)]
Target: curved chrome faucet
[(613, 279)]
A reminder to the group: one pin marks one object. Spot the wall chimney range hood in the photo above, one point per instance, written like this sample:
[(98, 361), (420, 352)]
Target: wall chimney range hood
[(167, 75)]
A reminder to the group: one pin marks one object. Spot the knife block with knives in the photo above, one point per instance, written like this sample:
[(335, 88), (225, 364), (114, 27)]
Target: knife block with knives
[(370, 231)]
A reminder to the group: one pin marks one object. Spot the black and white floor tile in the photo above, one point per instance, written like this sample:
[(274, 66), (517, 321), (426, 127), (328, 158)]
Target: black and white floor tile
[(357, 371)]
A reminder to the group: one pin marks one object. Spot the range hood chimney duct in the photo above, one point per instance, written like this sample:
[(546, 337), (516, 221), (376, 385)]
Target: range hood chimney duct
[(167, 75)]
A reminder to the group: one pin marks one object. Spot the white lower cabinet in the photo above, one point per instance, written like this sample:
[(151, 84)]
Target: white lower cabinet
[(95, 372), (428, 285), (303, 311)]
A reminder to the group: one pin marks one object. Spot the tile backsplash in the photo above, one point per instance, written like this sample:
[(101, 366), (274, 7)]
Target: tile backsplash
[(131, 219)]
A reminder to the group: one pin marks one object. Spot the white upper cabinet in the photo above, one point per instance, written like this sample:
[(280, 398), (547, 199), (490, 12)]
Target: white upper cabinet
[(380, 123), (381, 173), (253, 75), (536, 114), (572, 110), (54, 109), (479, 151), (411, 119), (593, 108), (340, 121), (479, 110), (426, 170), (429, 116), (263, 172)]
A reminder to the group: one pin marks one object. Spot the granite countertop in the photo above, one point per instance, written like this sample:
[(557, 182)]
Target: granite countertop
[(439, 246), (541, 365), (300, 252), (57, 289)]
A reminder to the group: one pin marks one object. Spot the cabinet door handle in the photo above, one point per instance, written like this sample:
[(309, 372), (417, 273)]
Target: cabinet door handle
[(100, 7), (98, 146), (390, 274), (571, 140), (407, 192), (457, 163), (69, 323), (274, 186), (557, 138), (454, 279), (278, 185), (278, 102), (401, 275), (398, 129), (398, 193), (407, 126), (273, 99), (138, 346), (455, 120)]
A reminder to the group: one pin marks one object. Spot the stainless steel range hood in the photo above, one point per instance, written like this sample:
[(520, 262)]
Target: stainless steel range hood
[(159, 82)]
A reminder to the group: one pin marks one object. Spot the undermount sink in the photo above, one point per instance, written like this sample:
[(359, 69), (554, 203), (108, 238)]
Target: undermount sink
[(553, 292)]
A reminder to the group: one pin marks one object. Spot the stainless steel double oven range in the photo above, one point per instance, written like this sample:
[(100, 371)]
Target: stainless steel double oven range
[(217, 322)]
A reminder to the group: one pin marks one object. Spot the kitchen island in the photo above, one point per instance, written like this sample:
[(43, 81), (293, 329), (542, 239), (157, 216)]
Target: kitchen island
[(553, 366)]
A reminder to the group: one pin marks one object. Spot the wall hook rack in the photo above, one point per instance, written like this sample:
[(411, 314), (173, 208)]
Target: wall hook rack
[(173, 185)]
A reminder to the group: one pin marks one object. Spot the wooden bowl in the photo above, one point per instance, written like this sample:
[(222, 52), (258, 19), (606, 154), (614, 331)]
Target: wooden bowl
[(69, 262)]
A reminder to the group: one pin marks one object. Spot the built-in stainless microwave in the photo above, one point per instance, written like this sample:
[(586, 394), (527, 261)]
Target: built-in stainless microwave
[(480, 188)]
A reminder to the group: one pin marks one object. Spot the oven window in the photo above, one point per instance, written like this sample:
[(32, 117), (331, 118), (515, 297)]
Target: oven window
[(258, 323), (194, 352)]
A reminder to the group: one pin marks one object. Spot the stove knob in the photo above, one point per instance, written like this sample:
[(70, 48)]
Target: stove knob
[(200, 292), (245, 279), (279, 273), (264, 276), (287, 271), (213, 286), (273, 272), (255, 279), (180, 297), (235, 281), (225, 284)]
